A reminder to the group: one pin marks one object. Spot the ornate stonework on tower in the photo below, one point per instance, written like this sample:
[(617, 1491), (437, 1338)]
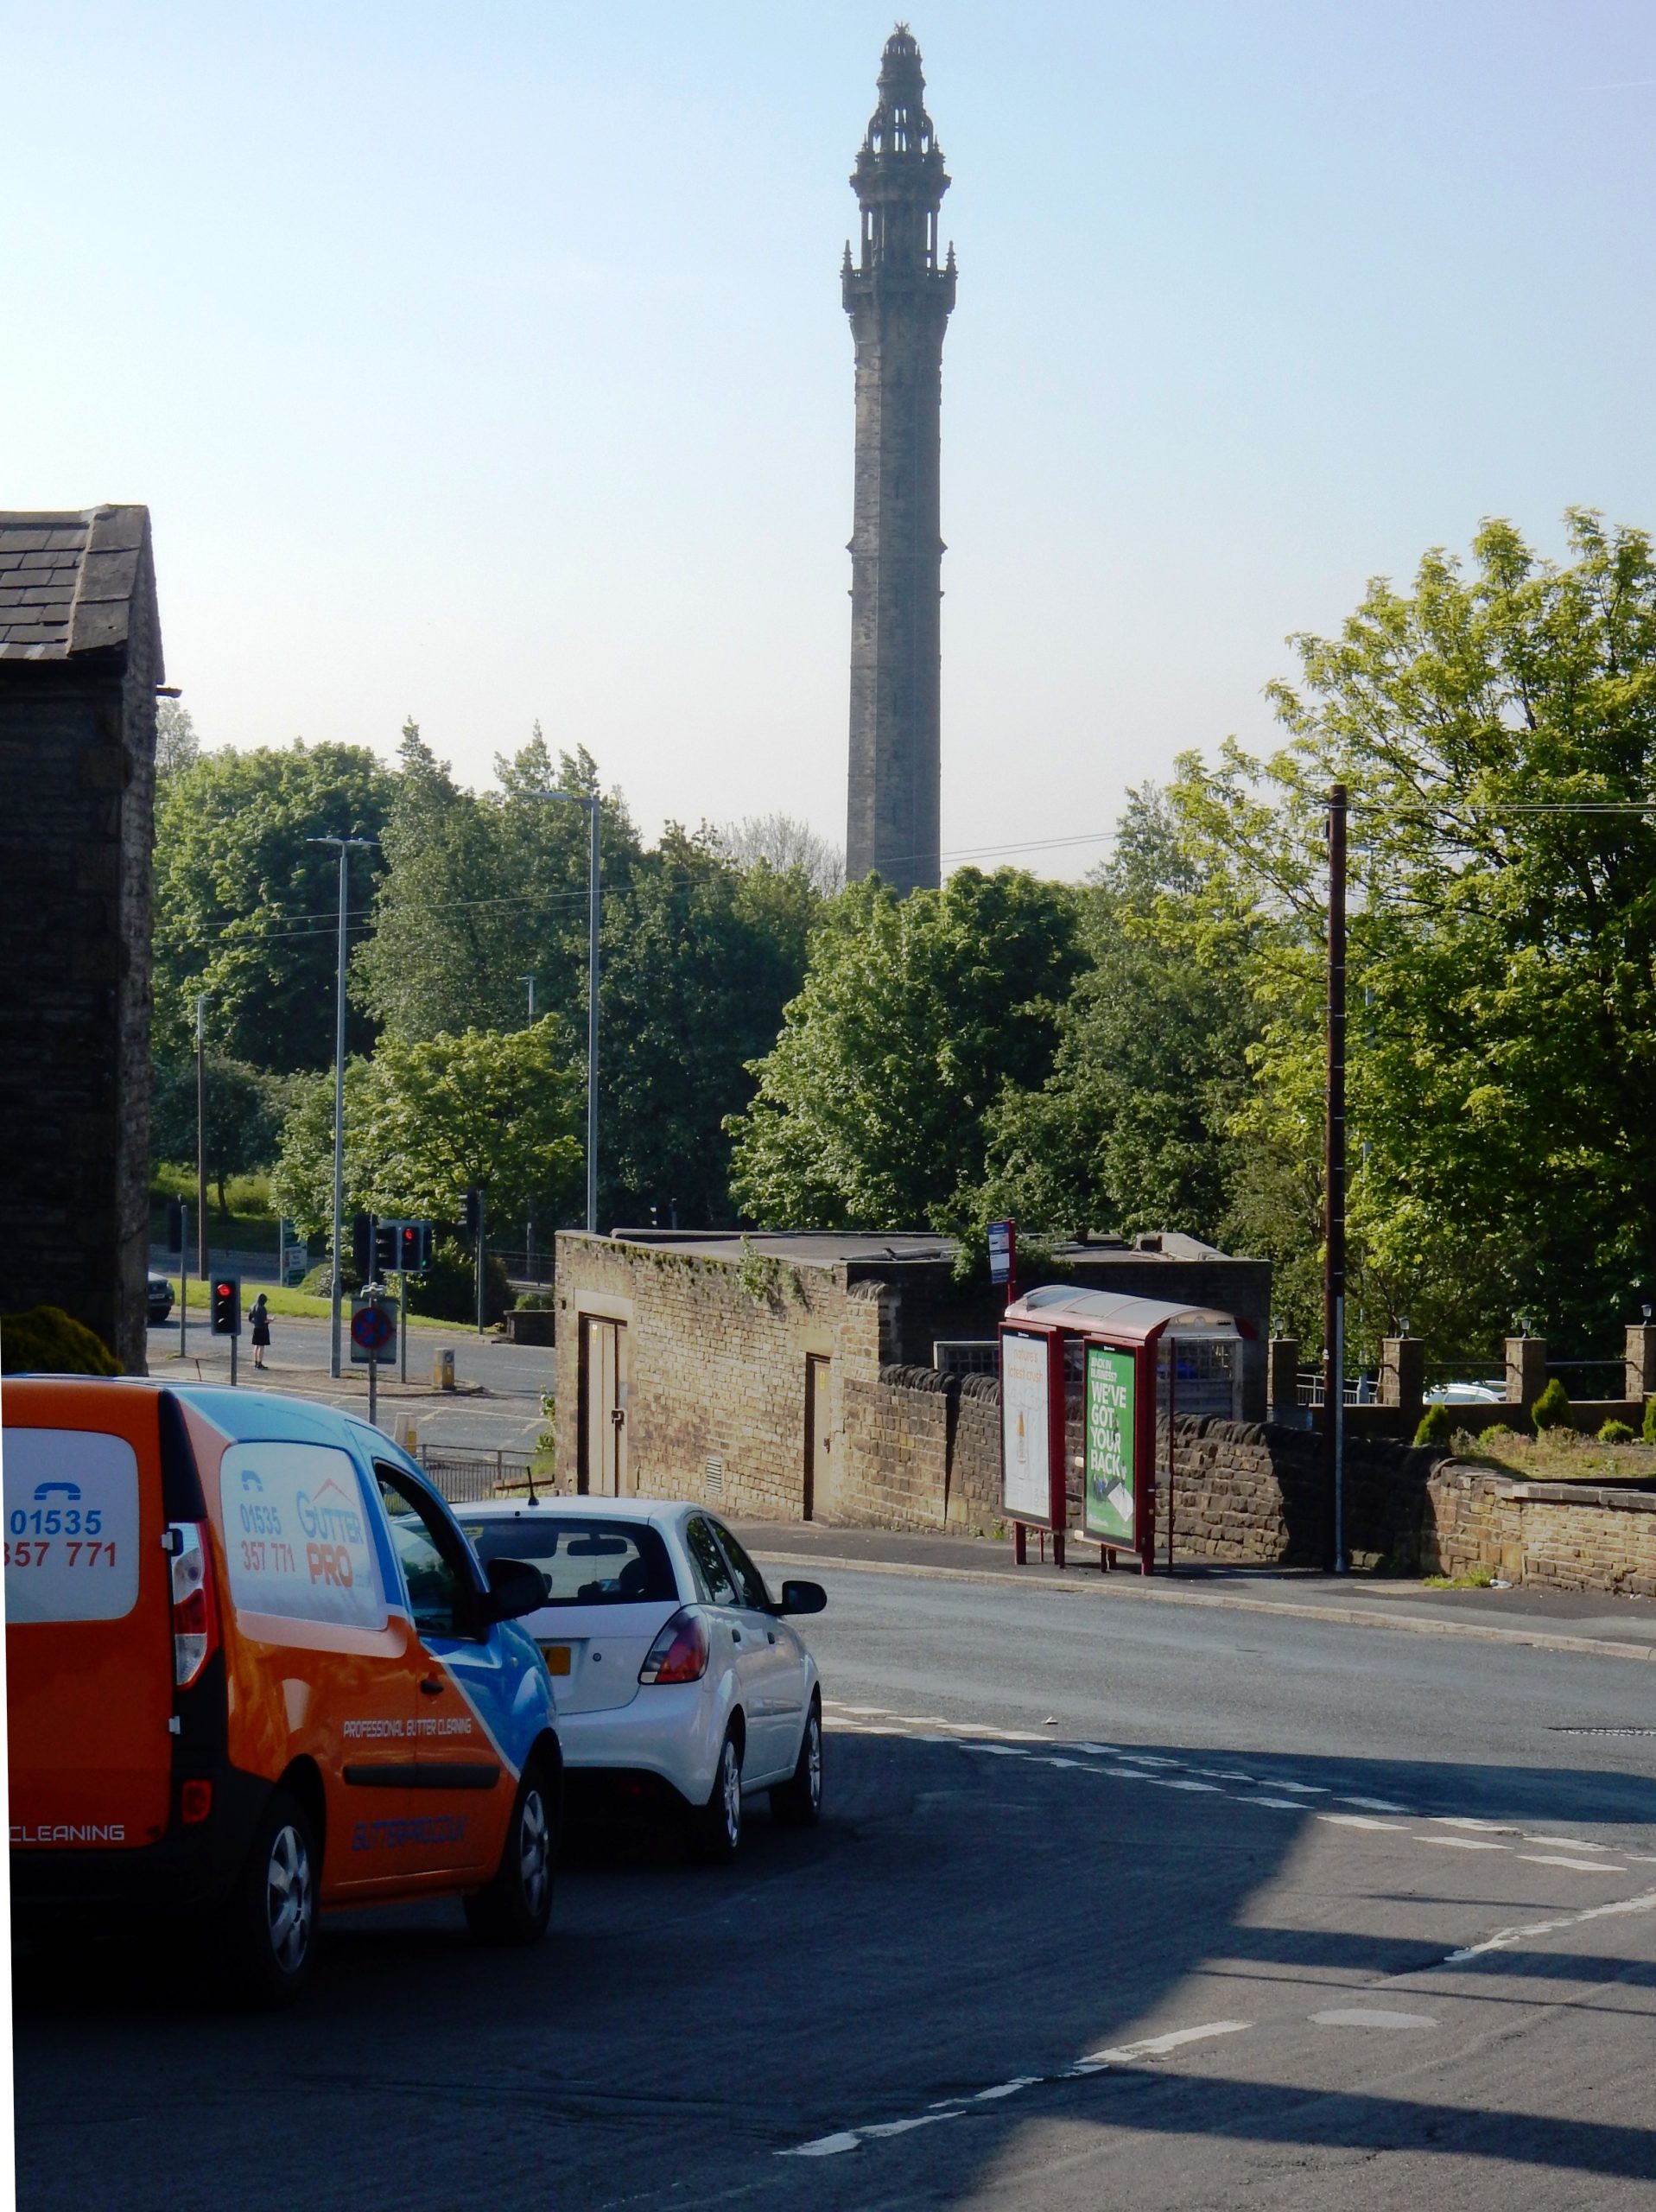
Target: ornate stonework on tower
[(898, 295)]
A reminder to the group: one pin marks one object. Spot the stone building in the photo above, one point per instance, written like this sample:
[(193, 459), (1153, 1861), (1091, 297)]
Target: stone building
[(80, 663), (791, 1374), (898, 293)]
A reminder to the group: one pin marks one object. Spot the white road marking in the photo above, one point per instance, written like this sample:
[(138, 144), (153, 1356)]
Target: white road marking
[(1375, 1804), (1301, 1788), (997, 1751), (848, 2138), (1362, 2016), (1104, 1751), (1278, 1804), (1458, 1821), (1128, 2054), (1506, 1937), (1581, 1866), (1566, 1843), (1463, 1843), (1360, 1820), (1171, 1781)]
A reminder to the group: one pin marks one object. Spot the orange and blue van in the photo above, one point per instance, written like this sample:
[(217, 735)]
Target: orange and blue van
[(254, 1670)]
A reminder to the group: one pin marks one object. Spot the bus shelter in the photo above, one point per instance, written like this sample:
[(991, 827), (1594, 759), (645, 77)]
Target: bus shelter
[(1119, 1368)]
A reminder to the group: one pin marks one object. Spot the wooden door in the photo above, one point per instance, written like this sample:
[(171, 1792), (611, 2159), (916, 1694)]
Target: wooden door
[(817, 1465), (603, 1471)]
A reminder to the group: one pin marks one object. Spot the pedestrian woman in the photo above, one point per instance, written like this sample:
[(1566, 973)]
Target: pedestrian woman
[(260, 1317)]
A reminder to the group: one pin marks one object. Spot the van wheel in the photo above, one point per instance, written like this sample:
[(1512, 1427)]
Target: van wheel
[(716, 1827), (269, 1925), (516, 1905), (797, 1803)]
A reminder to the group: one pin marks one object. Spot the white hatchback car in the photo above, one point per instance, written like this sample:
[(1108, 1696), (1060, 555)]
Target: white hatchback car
[(677, 1677)]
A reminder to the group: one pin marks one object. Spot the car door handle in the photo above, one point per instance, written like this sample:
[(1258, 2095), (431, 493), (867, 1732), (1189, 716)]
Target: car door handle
[(769, 1636), (432, 1686), (735, 1636)]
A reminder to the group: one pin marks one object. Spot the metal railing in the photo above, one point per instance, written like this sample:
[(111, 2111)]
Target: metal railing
[(465, 1477)]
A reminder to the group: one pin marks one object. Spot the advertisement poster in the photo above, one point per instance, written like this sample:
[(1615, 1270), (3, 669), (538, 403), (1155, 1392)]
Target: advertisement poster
[(1025, 1481), (1110, 1488)]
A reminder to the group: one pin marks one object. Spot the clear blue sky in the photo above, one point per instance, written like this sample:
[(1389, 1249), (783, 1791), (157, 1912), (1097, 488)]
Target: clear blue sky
[(486, 363)]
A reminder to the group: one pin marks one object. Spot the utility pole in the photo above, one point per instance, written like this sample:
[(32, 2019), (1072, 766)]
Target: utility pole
[(1334, 1187), (529, 1224), (594, 896), (345, 846), (201, 1261)]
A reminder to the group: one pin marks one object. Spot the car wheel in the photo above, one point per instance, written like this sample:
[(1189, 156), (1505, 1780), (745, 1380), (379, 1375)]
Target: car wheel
[(516, 1905), (797, 1803), (270, 1927), (716, 1829)]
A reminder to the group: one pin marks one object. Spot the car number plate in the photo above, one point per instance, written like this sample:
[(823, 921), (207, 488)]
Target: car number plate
[(558, 1658)]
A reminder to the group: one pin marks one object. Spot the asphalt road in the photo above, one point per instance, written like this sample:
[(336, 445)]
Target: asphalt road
[(499, 1406), (1133, 1904)]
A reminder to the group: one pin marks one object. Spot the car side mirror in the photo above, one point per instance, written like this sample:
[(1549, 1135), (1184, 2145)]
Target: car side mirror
[(802, 1598), (514, 1588)]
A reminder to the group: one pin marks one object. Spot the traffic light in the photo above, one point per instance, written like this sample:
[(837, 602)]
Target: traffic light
[(362, 1245), (388, 1236), (175, 1224), (471, 1212), (226, 1305), (412, 1237)]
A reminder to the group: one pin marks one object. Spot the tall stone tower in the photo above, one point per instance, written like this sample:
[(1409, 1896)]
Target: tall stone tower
[(898, 295)]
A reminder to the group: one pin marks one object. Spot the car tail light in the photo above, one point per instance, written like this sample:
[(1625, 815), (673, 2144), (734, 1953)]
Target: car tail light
[(196, 1802), (196, 1617), (680, 1652)]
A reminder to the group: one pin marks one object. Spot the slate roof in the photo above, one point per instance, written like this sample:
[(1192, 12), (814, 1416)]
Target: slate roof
[(68, 582)]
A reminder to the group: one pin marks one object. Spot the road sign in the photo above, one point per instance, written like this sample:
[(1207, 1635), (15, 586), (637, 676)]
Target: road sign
[(1002, 1250), (373, 1331)]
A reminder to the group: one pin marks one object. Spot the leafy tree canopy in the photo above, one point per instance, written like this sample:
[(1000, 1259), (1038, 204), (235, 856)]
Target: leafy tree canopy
[(245, 907), (1496, 730), (244, 1118), (872, 1110)]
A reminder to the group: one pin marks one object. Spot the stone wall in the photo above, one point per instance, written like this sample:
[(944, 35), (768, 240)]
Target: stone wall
[(921, 1449), (1555, 1536), (716, 1354)]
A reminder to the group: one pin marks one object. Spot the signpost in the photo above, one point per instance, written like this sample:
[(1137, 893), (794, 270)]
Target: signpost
[(373, 1338), (1003, 1255)]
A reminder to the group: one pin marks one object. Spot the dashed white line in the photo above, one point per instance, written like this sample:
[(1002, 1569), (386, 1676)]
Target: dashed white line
[(1581, 1866), (1128, 2054), (1362, 1820), (1505, 1938), (1463, 1843)]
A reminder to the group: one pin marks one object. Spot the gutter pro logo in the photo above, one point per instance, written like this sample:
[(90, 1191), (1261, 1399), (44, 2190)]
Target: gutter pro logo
[(333, 1526), (64, 1832)]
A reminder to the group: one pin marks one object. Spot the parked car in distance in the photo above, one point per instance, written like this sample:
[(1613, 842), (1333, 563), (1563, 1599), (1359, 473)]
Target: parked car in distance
[(681, 1686), (254, 1670), (160, 1299), (1468, 1393)]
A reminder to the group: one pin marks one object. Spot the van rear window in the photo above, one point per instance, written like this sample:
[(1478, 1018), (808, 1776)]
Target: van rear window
[(71, 1525), (585, 1562), (296, 1534)]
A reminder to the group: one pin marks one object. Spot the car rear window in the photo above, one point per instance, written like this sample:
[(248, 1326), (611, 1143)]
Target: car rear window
[(71, 1525), (585, 1562)]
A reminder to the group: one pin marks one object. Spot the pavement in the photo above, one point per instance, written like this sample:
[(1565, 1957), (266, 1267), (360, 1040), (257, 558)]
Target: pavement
[(1119, 1899)]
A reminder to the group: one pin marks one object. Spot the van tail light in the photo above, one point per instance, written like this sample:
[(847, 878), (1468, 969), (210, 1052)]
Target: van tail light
[(196, 1802), (195, 1613), (680, 1652)]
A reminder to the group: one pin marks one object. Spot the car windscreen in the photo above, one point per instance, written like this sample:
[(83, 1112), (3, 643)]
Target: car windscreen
[(585, 1562)]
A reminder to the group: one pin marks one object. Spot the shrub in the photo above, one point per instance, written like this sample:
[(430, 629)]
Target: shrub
[(1615, 1432), (1648, 1431), (1552, 1408), (1435, 1430), (447, 1290), (536, 1301), (45, 1340), (318, 1283)]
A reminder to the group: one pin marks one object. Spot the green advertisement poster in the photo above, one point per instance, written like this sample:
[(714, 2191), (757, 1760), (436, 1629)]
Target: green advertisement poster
[(1111, 1378)]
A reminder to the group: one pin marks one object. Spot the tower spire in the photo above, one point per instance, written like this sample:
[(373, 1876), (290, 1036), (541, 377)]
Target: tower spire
[(899, 296)]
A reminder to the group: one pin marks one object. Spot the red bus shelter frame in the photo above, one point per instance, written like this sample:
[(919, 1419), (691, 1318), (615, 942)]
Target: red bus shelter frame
[(1062, 1313)]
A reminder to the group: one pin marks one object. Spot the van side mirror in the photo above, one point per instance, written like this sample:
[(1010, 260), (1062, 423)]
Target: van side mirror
[(802, 1598), (514, 1588)]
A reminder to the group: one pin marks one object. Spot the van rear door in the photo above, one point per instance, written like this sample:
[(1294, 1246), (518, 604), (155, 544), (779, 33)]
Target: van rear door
[(89, 1658)]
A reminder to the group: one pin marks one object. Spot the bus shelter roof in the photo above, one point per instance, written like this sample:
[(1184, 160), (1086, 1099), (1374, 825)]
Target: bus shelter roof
[(1113, 1313)]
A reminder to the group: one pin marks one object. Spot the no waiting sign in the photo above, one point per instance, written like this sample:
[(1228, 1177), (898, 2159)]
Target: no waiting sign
[(373, 1331)]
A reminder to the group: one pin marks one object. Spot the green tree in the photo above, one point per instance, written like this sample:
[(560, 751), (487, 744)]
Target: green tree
[(1132, 1129), (480, 890), (1496, 729), (425, 1121), (872, 1110), (244, 1119), (245, 907), (700, 958)]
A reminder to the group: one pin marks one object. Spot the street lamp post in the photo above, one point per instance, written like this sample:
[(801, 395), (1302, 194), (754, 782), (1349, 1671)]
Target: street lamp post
[(202, 1263), (528, 1222), (593, 897), (345, 846)]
